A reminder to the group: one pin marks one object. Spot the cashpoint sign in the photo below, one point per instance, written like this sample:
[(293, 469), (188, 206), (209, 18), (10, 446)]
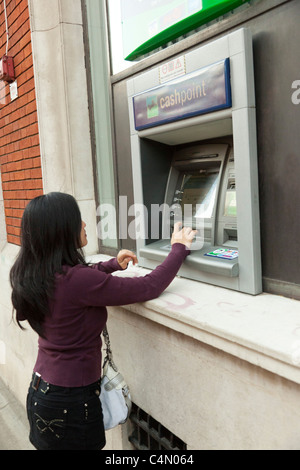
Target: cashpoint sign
[(204, 91)]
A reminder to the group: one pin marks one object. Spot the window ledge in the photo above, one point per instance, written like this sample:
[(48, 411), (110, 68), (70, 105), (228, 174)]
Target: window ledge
[(263, 330)]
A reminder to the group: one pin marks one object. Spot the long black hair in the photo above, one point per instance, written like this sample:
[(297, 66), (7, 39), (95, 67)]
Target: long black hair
[(50, 239)]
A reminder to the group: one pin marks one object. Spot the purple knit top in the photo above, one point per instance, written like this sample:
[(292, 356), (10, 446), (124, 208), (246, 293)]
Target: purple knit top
[(70, 353)]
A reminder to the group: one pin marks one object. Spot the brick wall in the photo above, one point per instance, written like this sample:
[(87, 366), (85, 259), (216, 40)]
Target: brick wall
[(20, 160)]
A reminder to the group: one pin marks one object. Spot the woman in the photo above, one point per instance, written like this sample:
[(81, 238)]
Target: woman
[(64, 300)]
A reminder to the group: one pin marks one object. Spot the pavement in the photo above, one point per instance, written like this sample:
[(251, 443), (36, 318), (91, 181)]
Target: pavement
[(14, 428)]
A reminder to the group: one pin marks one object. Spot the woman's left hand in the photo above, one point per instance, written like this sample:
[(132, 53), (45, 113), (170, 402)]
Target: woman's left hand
[(124, 257)]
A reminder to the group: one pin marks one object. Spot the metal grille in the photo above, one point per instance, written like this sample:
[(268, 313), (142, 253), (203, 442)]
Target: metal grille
[(149, 434)]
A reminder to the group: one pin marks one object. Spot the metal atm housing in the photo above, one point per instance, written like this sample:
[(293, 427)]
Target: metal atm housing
[(209, 163)]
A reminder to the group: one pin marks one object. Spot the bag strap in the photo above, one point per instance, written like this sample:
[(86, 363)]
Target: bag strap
[(109, 356)]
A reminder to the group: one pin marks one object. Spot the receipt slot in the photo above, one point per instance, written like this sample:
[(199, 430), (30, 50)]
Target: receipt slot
[(194, 158)]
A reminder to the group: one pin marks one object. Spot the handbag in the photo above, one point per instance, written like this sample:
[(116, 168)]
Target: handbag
[(115, 395)]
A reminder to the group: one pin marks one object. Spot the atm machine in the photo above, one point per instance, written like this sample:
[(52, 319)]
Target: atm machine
[(197, 162), (200, 192)]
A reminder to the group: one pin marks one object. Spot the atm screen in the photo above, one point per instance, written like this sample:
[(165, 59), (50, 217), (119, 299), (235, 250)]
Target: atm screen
[(198, 192)]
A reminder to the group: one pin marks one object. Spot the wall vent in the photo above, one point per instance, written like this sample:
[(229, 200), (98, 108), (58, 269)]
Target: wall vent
[(149, 434)]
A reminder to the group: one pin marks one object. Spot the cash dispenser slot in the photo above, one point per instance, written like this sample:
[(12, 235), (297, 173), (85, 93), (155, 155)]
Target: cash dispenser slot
[(201, 192)]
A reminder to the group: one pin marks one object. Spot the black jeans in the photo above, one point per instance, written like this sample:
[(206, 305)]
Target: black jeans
[(64, 418)]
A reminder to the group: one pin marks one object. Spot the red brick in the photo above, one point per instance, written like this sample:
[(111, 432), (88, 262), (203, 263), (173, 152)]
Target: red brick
[(26, 163), (36, 173), (13, 239), (36, 162), (34, 193)]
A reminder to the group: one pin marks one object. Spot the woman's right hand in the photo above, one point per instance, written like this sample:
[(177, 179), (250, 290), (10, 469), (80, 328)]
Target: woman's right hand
[(184, 235)]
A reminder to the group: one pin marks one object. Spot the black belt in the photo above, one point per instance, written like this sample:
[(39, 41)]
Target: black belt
[(37, 383)]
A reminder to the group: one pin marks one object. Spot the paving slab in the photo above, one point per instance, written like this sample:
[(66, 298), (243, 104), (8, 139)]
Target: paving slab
[(14, 428)]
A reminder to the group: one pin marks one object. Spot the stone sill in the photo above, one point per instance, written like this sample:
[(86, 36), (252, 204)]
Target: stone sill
[(263, 330)]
